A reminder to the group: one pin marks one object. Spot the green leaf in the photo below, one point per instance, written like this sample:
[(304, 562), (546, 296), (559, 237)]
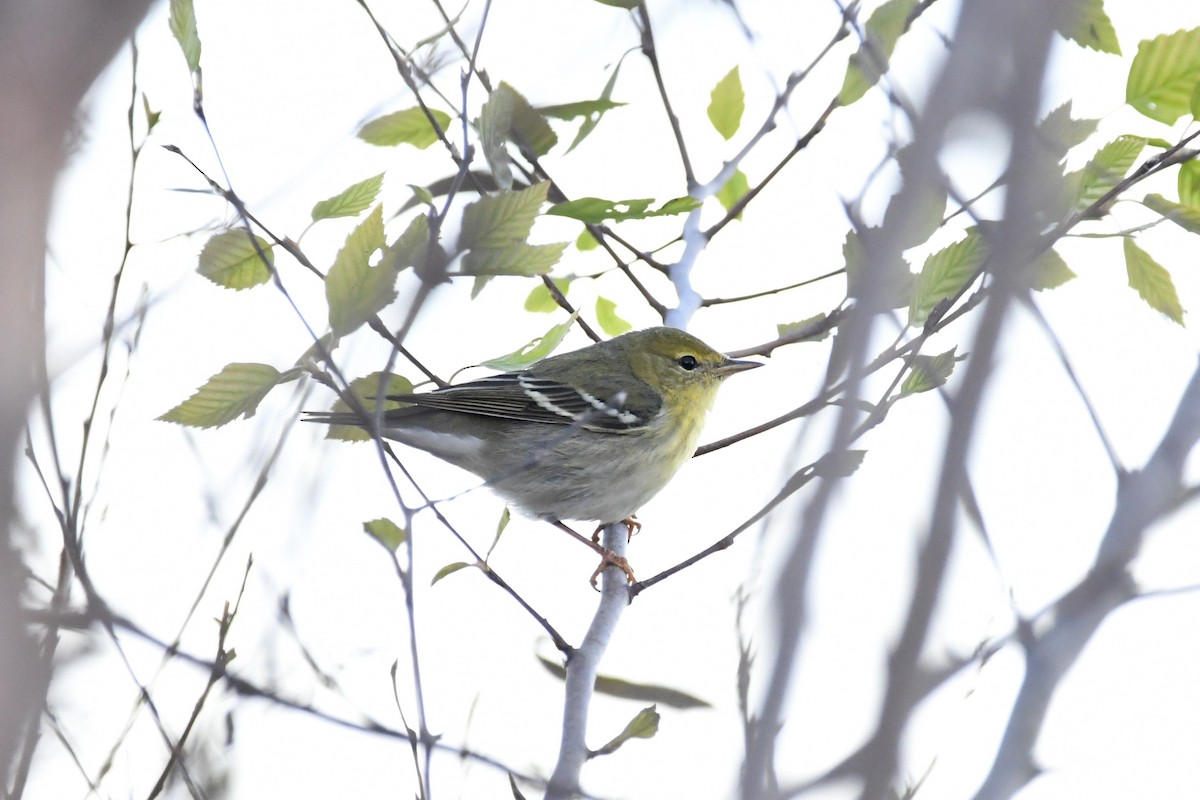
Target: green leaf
[(870, 62), (183, 26), (629, 690), (580, 108), (896, 277), (505, 517), (1164, 74), (594, 210), (726, 104), (1049, 271), (593, 119), (366, 390), (518, 259), (1061, 132), (230, 259), (410, 247), (495, 120), (501, 220), (643, 726), (410, 126), (535, 350), (351, 202), (1189, 183), (152, 116), (1085, 23), (355, 290), (923, 209), (585, 241), (449, 569), (839, 463), (944, 274), (386, 532), (928, 372), (233, 392), (1186, 217), (788, 328), (733, 190), (529, 128), (421, 194), (541, 301), (1107, 168), (606, 316), (1152, 282)]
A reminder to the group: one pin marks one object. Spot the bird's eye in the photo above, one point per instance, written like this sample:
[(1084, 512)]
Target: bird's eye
[(688, 362)]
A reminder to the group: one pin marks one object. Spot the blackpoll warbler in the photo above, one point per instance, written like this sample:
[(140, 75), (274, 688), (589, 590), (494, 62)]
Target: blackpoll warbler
[(586, 435)]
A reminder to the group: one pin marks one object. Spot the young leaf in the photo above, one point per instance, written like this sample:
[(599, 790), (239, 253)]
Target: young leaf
[(534, 350), (386, 532), (1186, 217), (1152, 282), (449, 569), (183, 26), (629, 690), (882, 31), (230, 259), (593, 118), (734, 190), (1061, 132), (540, 301), (366, 389), (410, 126), (726, 104), (350, 202), (151, 115), (642, 726), (1049, 271), (233, 392), (505, 517), (355, 290), (606, 316), (1085, 23), (580, 108), (529, 128), (928, 372), (787, 328), (944, 274), (1164, 74), (495, 120), (1107, 168), (585, 241), (594, 210)]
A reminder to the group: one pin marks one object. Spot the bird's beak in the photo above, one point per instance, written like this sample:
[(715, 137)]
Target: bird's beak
[(733, 365)]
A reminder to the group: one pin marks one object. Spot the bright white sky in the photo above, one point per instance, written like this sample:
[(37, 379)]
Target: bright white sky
[(286, 85)]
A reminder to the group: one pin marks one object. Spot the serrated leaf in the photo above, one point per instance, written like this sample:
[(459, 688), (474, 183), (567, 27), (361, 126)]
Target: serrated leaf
[(366, 390), (386, 532), (609, 321), (788, 328), (1060, 132), (1164, 74), (519, 259), (529, 128), (1049, 271), (928, 372), (409, 126), (351, 201), (233, 392), (870, 62), (449, 569), (944, 274), (642, 726), (726, 104), (1107, 168), (410, 247), (594, 210), (629, 690), (355, 290), (534, 350), (1084, 22), (1189, 183), (839, 464), (495, 119), (1186, 217), (230, 259), (541, 301), (182, 21), (501, 220), (1152, 282), (733, 190)]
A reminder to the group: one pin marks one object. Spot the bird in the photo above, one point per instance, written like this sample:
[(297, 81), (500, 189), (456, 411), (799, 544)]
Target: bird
[(589, 435)]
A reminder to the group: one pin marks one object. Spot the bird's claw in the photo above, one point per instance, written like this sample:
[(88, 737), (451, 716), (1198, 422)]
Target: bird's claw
[(610, 559), (631, 524)]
